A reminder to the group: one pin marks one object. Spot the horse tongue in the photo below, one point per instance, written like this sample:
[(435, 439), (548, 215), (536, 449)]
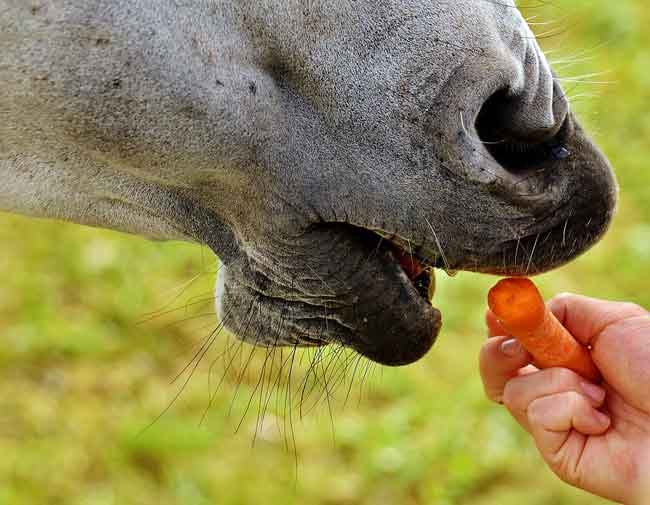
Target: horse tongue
[(409, 264)]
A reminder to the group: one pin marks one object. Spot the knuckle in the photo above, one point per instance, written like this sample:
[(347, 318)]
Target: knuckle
[(484, 354), (575, 401), (562, 378), (535, 412), (633, 308), (492, 393), (486, 363), (510, 395), (561, 300)]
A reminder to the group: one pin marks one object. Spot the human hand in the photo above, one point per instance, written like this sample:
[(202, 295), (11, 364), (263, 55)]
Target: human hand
[(595, 437)]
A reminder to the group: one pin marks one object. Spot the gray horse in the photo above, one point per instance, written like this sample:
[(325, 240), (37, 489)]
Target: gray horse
[(332, 153)]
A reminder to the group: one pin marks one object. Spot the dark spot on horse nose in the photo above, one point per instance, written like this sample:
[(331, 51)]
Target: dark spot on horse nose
[(560, 152), (252, 87)]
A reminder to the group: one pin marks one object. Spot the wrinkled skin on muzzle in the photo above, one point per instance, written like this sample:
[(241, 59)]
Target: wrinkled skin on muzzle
[(312, 145)]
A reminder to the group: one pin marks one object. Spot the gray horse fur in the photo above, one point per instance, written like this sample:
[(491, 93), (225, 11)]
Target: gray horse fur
[(304, 141)]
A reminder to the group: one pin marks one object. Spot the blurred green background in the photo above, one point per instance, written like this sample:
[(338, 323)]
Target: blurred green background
[(85, 368)]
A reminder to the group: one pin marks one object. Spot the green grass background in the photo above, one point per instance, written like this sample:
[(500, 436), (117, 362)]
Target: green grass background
[(81, 375)]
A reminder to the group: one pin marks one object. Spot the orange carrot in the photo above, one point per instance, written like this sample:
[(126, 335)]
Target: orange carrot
[(521, 311)]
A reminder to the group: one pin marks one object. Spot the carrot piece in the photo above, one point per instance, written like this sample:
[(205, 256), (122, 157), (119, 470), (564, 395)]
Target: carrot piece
[(521, 311)]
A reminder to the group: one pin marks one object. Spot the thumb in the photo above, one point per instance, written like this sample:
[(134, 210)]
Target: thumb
[(622, 353), (619, 336)]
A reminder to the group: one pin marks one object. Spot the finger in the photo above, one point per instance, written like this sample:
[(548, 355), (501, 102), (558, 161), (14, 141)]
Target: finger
[(586, 318), (494, 327), (521, 392), (552, 419), (500, 360), (622, 353), (619, 334)]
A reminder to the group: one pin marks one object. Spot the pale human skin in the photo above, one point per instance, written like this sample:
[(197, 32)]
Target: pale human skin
[(594, 437)]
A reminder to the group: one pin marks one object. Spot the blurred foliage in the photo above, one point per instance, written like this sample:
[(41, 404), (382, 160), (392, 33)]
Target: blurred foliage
[(85, 371)]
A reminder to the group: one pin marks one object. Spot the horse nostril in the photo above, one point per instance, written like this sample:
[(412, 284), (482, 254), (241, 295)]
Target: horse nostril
[(504, 116), (520, 134)]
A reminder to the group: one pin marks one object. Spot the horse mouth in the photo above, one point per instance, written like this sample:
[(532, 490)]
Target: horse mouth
[(418, 268), (371, 289), (356, 289)]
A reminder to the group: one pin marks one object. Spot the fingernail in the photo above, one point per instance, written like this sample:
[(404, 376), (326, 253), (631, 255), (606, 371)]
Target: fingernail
[(511, 348), (602, 417), (596, 393)]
